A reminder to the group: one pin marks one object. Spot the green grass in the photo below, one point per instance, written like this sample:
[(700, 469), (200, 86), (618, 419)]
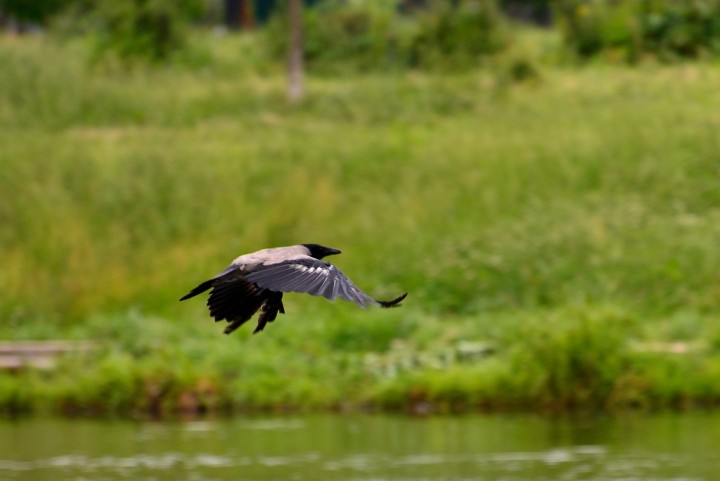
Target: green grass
[(562, 220)]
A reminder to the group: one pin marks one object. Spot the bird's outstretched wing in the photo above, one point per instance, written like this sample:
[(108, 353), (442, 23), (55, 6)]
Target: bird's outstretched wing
[(234, 299), (228, 275), (315, 277)]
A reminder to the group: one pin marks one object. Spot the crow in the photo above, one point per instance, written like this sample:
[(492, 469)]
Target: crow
[(256, 282)]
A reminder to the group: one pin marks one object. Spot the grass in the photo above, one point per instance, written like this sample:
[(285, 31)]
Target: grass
[(563, 221)]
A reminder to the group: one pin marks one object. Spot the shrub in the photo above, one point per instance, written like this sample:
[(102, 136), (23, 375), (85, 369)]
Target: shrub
[(458, 34), (32, 11), (339, 37), (681, 28), (574, 359), (142, 29), (624, 30), (354, 37)]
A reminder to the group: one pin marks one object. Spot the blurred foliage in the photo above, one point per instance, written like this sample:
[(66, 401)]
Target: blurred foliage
[(120, 189), (558, 238), (583, 357), (372, 36), (146, 29), (363, 36), (132, 30), (457, 34), (33, 11), (574, 359), (631, 30)]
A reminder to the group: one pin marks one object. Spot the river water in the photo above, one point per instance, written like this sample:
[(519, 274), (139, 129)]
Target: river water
[(679, 447)]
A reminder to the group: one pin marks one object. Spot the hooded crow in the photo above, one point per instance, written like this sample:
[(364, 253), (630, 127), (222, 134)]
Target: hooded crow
[(256, 282)]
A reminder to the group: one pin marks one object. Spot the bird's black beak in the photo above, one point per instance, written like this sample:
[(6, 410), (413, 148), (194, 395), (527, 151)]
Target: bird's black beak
[(331, 251)]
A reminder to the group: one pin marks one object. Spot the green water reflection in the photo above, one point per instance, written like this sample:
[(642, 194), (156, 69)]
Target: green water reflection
[(509, 447)]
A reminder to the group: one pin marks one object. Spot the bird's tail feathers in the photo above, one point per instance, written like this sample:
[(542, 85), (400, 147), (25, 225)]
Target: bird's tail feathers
[(394, 303)]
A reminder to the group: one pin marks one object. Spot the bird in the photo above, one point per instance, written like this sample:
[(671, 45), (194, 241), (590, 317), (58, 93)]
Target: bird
[(257, 281)]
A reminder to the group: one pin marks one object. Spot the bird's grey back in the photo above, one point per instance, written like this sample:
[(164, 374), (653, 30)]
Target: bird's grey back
[(272, 255)]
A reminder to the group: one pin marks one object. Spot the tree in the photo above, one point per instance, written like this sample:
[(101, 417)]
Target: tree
[(25, 12), (295, 52)]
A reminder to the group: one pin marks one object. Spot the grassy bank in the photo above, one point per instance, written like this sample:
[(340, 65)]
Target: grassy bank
[(555, 237)]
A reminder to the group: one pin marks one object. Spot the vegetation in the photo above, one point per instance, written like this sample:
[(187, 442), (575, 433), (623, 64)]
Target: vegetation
[(633, 30), (29, 11), (558, 237), (141, 29), (365, 37), (342, 36)]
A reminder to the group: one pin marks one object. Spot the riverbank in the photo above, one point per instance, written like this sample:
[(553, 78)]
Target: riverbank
[(584, 358)]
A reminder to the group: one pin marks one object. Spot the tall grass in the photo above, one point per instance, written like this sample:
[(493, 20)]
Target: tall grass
[(497, 206)]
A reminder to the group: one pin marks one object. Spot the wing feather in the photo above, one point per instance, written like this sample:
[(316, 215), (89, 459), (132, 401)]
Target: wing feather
[(308, 275), (300, 282), (325, 288), (314, 287)]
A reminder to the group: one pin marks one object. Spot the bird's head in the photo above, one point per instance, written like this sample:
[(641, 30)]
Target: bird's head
[(318, 252)]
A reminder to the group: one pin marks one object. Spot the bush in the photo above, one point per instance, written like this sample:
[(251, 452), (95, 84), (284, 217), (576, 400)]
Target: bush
[(682, 28), (625, 30), (32, 11), (573, 359), (370, 37), (142, 29), (340, 37), (457, 34)]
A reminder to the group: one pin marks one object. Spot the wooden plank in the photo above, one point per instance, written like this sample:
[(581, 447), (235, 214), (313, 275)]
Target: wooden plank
[(12, 347), (16, 355)]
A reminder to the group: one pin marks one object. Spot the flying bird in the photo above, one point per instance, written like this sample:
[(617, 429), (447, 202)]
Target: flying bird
[(256, 282)]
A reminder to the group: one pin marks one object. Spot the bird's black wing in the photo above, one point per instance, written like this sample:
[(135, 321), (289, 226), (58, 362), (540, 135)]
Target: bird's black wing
[(232, 297), (315, 277), (235, 299), (228, 275)]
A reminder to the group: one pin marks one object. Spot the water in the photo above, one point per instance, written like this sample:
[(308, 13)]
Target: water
[(678, 447)]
